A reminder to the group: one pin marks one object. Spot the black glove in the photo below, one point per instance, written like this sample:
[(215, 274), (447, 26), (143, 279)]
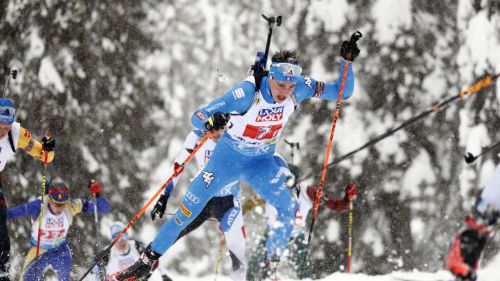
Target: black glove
[(159, 208), (349, 49), (48, 143), (217, 121)]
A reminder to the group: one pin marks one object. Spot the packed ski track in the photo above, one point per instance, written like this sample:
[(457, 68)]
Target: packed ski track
[(490, 272)]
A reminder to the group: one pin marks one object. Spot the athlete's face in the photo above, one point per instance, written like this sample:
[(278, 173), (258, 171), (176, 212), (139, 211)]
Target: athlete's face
[(281, 90), (4, 129), (122, 245), (56, 209), (216, 134)]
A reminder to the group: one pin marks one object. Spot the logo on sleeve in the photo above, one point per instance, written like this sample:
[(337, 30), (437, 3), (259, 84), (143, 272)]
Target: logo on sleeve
[(308, 82), (320, 89), (208, 154), (215, 106), (238, 94), (201, 115), (270, 114), (208, 177)]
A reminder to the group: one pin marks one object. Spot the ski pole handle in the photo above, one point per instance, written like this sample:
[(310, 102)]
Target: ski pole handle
[(356, 36), (270, 21), (470, 158)]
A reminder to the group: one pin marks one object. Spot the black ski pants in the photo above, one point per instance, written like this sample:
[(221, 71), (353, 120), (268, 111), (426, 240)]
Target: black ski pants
[(4, 235), (216, 208)]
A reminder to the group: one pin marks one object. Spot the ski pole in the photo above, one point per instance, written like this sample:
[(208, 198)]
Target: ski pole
[(96, 220), (219, 255), (349, 244), (355, 37), (270, 21), (40, 216), (177, 172), (470, 158), (8, 73), (479, 85)]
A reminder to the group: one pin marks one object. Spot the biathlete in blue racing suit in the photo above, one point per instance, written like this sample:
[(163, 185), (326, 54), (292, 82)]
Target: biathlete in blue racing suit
[(245, 151)]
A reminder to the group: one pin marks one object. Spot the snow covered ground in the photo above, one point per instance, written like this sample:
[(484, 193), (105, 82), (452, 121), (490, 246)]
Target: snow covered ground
[(489, 273)]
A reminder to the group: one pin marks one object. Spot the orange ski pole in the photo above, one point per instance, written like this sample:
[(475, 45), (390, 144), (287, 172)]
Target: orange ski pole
[(354, 38), (177, 172)]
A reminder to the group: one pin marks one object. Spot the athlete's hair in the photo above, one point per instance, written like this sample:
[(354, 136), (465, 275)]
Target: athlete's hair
[(286, 56)]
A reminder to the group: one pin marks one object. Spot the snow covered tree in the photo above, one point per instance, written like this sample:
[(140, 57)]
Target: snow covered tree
[(80, 77), (116, 83)]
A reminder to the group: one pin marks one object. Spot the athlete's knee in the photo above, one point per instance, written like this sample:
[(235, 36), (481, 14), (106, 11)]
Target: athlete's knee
[(30, 272), (64, 275), (287, 209)]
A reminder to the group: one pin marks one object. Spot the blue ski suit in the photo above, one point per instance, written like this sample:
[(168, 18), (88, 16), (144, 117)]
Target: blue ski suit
[(55, 255), (247, 154)]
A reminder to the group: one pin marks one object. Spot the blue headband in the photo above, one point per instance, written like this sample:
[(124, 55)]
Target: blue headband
[(7, 111), (59, 196), (282, 71)]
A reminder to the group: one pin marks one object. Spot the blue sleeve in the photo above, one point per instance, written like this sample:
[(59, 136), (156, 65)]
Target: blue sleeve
[(102, 204), (280, 161), (30, 209), (237, 100), (309, 87)]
